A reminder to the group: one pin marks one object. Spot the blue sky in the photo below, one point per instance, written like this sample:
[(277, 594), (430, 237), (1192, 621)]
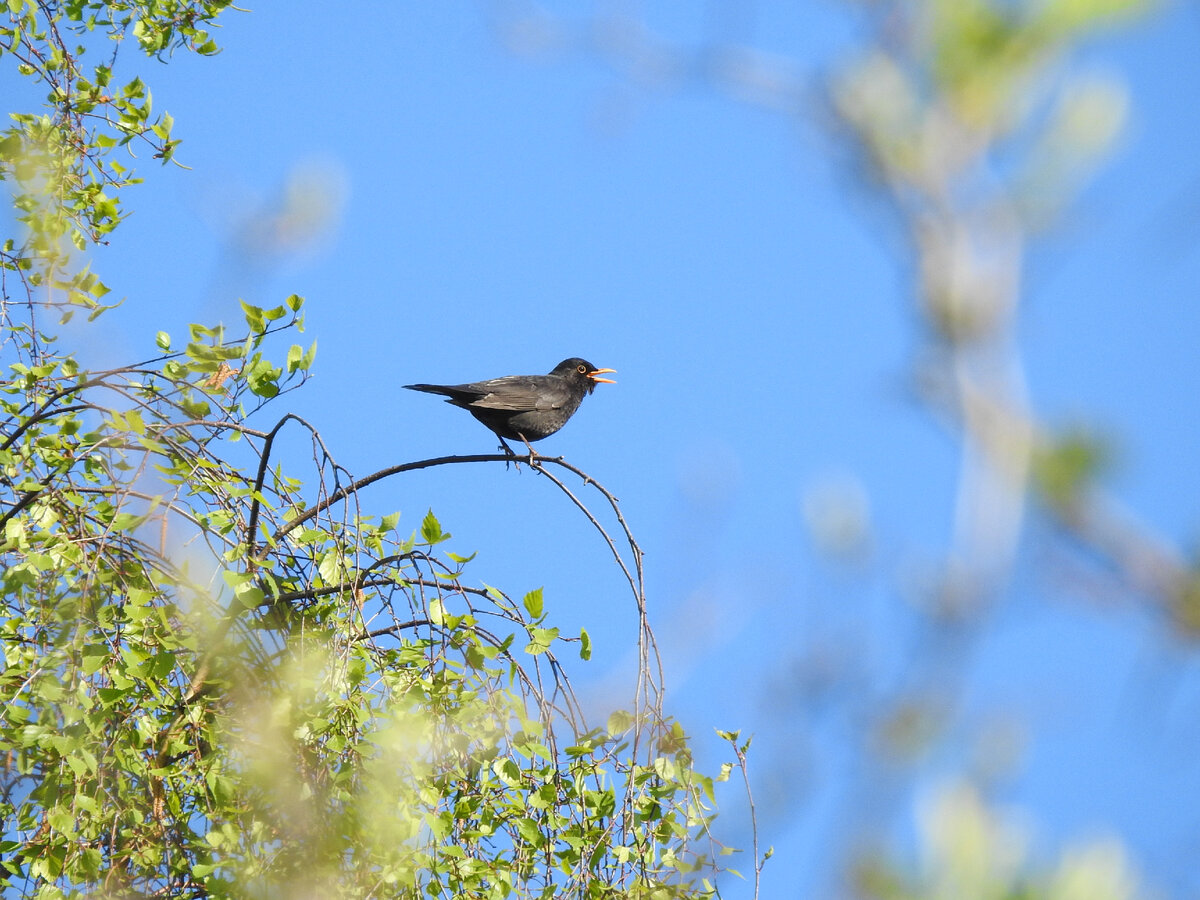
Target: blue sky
[(493, 213)]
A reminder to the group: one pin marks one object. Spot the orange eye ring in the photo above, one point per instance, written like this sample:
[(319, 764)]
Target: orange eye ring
[(582, 370)]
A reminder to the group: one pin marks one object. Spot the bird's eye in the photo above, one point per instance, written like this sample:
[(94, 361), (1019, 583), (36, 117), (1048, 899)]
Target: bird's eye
[(582, 370)]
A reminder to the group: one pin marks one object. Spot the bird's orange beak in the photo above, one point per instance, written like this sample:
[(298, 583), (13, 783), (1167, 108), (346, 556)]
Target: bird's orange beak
[(595, 373)]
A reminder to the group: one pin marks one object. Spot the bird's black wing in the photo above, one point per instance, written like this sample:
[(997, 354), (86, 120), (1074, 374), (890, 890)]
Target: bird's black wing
[(513, 393), (519, 393)]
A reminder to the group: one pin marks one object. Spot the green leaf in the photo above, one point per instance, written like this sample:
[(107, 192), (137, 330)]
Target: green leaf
[(533, 603), (307, 360), (162, 340), (329, 566), (507, 771), (249, 596), (254, 316), (531, 832), (585, 644), (619, 722), (94, 657), (431, 529), (127, 521), (540, 640)]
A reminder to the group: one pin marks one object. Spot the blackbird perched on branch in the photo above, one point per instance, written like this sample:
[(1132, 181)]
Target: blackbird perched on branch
[(524, 407)]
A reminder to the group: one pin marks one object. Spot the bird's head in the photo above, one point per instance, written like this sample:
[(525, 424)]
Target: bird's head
[(583, 372)]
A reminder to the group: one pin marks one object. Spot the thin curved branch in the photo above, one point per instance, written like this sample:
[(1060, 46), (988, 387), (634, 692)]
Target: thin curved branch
[(647, 645), (650, 678), (355, 486), (264, 458)]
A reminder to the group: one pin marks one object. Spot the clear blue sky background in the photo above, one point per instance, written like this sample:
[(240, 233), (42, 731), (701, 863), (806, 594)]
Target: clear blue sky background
[(496, 214)]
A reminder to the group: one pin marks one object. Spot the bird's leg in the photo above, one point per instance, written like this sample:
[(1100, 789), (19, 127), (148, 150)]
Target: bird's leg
[(533, 454), (508, 451)]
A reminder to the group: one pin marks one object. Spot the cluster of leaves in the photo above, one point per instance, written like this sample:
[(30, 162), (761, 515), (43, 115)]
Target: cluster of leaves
[(58, 161), (95, 642)]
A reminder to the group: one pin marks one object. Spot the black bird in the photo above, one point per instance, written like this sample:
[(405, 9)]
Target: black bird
[(525, 407)]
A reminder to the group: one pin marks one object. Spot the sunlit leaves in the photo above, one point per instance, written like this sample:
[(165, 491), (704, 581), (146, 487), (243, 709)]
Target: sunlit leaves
[(262, 376), (66, 184)]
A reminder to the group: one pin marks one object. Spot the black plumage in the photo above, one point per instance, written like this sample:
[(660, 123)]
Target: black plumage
[(524, 407)]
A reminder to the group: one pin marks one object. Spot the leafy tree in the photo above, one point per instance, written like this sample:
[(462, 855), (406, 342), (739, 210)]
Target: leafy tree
[(222, 675)]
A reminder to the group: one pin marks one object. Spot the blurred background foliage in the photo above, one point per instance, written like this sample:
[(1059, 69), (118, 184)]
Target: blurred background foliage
[(974, 127)]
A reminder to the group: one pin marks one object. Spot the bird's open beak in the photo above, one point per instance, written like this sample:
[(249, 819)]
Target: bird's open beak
[(596, 373)]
